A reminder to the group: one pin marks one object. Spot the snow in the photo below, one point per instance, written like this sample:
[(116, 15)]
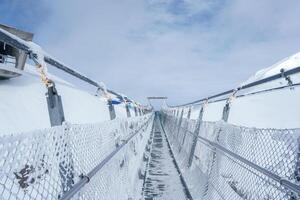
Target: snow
[(276, 109), (24, 104), (273, 109), (213, 111), (286, 64), (88, 144), (162, 180)]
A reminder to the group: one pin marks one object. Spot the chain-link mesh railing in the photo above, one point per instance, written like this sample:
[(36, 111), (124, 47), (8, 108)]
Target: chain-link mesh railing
[(231, 162), (46, 164)]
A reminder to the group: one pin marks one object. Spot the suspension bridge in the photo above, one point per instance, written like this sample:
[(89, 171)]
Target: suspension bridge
[(206, 149)]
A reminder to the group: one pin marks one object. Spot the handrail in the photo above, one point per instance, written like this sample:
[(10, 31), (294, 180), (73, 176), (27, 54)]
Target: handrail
[(86, 178), (282, 74)]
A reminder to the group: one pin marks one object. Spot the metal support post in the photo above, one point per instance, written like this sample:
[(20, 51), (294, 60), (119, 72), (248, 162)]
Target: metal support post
[(128, 110), (195, 136), (111, 108), (55, 107)]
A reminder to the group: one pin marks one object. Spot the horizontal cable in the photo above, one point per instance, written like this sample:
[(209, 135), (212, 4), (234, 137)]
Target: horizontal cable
[(255, 83)]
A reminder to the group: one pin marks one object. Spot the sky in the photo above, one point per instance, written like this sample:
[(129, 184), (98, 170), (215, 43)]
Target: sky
[(183, 49)]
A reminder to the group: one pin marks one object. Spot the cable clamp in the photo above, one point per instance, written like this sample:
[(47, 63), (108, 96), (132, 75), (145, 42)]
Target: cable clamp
[(82, 176), (287, 78)]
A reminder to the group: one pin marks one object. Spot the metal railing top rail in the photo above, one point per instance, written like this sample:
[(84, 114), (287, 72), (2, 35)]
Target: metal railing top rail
[(282, 74), (18, 43), (86, 178)]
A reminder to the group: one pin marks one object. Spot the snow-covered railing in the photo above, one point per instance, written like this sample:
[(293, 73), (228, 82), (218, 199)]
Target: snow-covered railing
[(222, 161), (40, 57), (92, 161), (283, 74)]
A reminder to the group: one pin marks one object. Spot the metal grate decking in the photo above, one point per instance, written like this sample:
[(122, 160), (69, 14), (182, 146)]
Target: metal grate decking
[(162, 179)]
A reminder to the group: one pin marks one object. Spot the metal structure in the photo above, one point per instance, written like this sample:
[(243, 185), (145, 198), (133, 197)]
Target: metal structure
[(232, 162), (281, 75), (73, 161), (217, 160), (223, 161), (157, 98), (10, 56), (21, 44)]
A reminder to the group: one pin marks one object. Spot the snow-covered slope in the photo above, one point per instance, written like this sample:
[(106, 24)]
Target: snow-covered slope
[(23, 104), (286, 64), (272, 109)]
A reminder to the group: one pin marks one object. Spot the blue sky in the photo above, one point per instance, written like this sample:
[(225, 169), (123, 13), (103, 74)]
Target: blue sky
[(26, 15), (184, 49)]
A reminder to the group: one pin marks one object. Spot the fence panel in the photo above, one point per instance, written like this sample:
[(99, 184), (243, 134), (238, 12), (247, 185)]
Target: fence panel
[(232, 162), (45, 164)]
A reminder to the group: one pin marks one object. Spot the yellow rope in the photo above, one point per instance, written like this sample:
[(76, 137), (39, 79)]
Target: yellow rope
[(43, 75), (232, 96)]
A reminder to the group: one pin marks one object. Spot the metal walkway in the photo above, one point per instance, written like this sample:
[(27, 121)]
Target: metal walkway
[(162, 179)]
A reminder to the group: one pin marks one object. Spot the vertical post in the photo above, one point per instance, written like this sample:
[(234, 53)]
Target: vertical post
[(226, 110), (135, 111), (189, 113), (186, 126), (55, 107), (195, 136), (127, 110), (179, 124), (175, 121), (56, 115), (111, 108)]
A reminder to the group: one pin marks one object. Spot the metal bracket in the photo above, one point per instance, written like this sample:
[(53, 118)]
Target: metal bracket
[(128, 111), (111, 108), (287, 78), (55, 107)]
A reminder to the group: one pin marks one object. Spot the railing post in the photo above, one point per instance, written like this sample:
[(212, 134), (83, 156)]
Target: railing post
[(226, 110), (56, 115), (127, 110), (179, 124), (112, 112), (189, 113), (135, 111), (55, 107), (195, 136), (175, 121), (186, 127)]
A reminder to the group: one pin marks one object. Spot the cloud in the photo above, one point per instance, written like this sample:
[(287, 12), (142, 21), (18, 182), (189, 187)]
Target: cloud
[(183, 49), (22, 14)]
